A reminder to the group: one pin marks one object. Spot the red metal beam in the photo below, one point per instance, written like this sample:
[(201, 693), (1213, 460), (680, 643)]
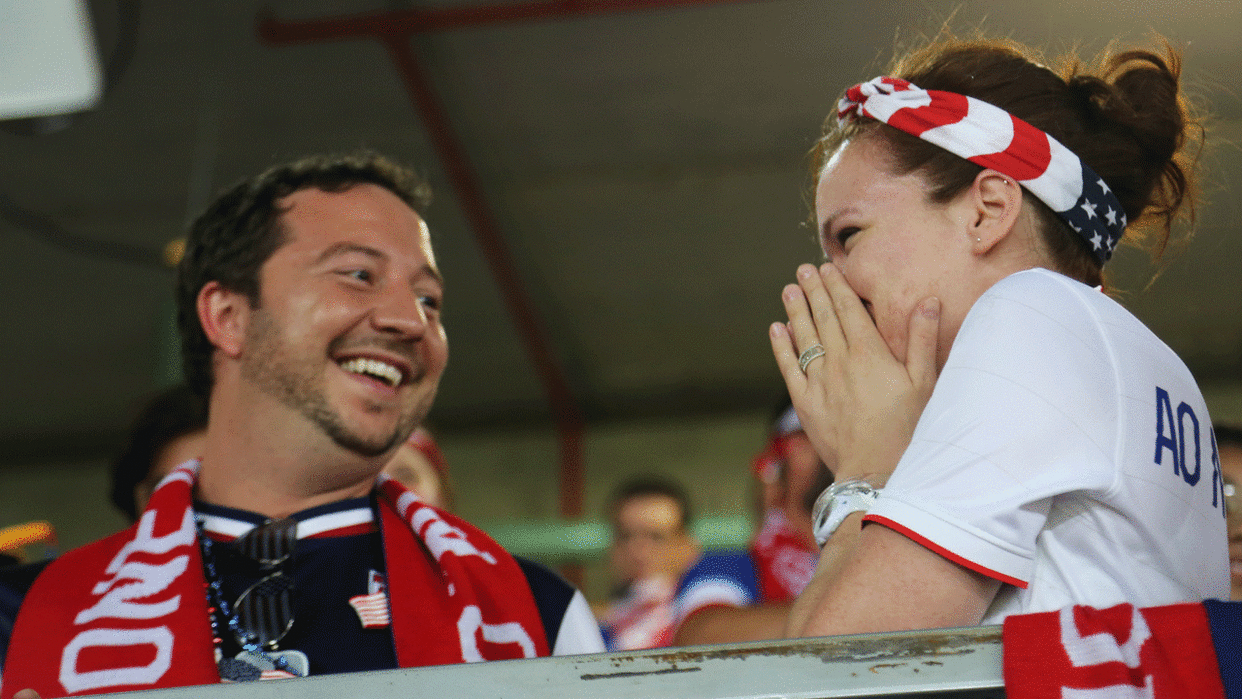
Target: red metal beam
[(403, 23), (491, 241)]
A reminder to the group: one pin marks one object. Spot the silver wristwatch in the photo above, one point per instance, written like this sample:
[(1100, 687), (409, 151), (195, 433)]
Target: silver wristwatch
[(839, 501)]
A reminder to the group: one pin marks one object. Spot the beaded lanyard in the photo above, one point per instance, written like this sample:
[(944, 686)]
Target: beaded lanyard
[(232, 668)]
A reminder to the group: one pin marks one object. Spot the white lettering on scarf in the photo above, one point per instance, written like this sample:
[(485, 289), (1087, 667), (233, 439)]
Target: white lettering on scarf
[(1101, 648), (150, 579), (118, 603), (160, 637), (471, 622), (440, 536)]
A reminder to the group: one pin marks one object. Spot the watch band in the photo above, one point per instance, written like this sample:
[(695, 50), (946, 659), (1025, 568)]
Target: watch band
[(839, 501)]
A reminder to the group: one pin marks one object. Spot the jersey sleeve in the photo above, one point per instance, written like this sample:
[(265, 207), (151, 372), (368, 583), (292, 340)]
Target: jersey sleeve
[(579, 632), (1024, 409), (717, 579), (570, 625)]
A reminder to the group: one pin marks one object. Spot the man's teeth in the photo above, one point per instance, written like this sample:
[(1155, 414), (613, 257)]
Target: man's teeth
[(373, 367)]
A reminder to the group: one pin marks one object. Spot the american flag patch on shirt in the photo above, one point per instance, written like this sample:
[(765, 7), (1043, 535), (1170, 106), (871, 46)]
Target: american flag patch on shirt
[(372, 608)]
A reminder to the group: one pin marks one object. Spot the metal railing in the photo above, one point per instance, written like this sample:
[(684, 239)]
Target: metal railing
[(939, 663)]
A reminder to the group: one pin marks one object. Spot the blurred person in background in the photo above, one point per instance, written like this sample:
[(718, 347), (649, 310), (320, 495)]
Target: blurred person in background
[(790, 476), (1229, 449), (732, 597), (651, 548), (170, 430), (420, 466), (18, 571)]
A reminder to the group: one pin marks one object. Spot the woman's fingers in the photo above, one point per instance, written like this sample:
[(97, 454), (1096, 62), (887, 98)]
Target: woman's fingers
[(856, 324), (923, 344), (801, 319), (787, 358), (828, 328)]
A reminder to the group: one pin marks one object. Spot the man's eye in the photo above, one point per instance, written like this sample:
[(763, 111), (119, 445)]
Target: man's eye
[(362, 275), (431, 302)]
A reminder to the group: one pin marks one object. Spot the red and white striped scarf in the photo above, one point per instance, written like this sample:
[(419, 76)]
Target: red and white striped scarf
[(129, 612), (784, 560), (1179, 651), (993, 138)]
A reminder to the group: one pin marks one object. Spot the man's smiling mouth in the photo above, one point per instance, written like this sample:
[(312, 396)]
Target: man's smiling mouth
[(375, 369)]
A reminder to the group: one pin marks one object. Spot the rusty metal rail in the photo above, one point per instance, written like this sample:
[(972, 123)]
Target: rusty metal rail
[(941, 663)]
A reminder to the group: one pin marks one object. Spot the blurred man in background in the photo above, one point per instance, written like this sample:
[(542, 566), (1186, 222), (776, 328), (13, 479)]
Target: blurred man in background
[(732, 597), (169, 430), (651, 548)]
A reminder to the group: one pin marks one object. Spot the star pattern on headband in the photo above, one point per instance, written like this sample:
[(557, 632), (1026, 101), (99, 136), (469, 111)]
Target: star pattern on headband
[(970, 128)]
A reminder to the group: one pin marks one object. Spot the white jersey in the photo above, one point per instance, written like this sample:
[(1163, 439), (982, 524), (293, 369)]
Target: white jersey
[(1067, 452)]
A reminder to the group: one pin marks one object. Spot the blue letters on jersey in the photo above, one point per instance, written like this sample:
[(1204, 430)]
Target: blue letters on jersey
[(1173, 430)]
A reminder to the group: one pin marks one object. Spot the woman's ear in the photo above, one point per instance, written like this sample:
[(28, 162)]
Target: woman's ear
[(223, 313), (997, 202)]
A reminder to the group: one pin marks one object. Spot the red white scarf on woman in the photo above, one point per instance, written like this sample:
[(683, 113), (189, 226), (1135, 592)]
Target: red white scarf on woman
[(130, 612)]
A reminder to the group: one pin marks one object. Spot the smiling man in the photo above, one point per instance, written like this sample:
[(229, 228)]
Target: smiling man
[(309, 305)]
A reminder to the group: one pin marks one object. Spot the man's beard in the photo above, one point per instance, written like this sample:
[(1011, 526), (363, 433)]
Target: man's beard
[(330, 422), (298, 384)]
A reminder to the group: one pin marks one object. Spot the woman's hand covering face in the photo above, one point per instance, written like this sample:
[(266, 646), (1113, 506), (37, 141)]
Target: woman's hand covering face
[(858, 403)]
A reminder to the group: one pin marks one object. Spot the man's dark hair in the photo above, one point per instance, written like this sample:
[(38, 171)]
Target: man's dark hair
[(1227, 434), (169, 415), (644, 486), (241, 229)]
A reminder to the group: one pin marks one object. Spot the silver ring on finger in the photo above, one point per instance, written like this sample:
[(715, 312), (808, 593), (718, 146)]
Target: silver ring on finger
[(809, 355)]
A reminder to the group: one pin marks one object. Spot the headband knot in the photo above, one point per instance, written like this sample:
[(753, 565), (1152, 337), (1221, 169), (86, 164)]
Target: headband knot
[(993, 138)]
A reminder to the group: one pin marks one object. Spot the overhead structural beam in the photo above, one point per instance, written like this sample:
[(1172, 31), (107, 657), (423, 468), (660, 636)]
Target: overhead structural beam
[(404, 23), (394, 29), (564, 406)]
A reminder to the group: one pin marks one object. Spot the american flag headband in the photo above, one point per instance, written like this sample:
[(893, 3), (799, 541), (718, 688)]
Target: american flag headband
[(992, 138)]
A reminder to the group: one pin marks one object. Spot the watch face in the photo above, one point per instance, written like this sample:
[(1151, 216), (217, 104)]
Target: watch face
[(836, 503)]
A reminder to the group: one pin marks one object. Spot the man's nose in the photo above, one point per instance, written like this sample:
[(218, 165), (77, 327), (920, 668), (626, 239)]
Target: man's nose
[(401, 311)]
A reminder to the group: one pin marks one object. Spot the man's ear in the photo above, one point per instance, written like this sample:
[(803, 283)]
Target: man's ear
[(996, 201), (224, 314)]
